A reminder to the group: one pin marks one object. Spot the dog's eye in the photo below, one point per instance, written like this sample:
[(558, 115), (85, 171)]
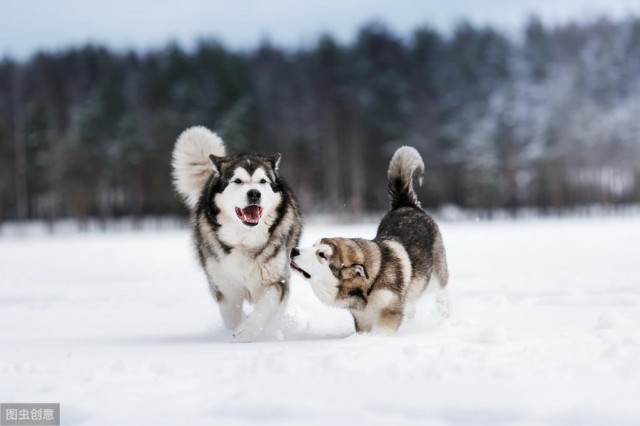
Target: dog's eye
[(263, 181), (321, 255), (238, 181)]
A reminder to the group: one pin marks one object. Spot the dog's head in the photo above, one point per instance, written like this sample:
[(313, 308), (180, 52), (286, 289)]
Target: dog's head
[(247, 187), (337, 269)]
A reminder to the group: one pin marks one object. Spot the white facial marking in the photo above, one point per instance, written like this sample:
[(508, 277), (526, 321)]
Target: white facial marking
[(235, 195), (315, 261)]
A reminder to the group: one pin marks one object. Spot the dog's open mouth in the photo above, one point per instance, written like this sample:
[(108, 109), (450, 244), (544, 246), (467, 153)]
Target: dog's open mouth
[(250, 215), (299, 269)]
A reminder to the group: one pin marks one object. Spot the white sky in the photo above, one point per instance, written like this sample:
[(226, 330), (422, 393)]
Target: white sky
[(29, 25)]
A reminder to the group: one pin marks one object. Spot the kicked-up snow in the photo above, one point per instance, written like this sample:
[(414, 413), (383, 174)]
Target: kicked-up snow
[(121, 330)]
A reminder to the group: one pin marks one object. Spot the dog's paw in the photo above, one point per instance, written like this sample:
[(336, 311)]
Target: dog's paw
[(383, 331), (242, 338), (244, 335), (239, 338), (411, 314), (443, 305)]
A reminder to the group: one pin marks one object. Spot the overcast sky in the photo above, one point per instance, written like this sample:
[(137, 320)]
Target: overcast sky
[(30, 25)]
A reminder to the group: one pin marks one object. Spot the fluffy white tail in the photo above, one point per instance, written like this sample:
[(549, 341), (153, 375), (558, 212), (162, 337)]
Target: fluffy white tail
[(191, 164), (405, 165)]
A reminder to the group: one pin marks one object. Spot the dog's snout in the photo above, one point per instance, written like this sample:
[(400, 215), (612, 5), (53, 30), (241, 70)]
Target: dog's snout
[(295, 252), (253, 196)]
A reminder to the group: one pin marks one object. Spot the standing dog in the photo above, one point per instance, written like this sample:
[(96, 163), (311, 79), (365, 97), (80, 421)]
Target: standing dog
[(245, 222), (379, 281)]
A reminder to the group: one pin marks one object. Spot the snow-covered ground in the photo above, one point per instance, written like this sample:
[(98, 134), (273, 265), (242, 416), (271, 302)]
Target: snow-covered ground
[(121, 330)]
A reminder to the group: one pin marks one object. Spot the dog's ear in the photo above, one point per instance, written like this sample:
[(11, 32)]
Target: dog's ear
[(360, 271), (217, 163), (274, 161), (353, 271)]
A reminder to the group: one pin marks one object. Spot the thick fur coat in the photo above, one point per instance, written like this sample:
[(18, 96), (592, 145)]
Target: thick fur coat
[(380, 280), (245, 221)]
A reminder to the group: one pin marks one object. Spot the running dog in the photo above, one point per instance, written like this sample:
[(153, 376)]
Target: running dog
[(245, 221), (380, 280)]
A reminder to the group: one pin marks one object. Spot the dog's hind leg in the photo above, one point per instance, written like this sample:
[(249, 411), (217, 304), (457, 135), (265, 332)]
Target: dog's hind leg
[(267, 307), (443, 304), (410, 312)]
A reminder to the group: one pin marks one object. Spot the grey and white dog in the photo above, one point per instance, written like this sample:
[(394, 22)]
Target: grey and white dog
[(380, 280), (245, 221)]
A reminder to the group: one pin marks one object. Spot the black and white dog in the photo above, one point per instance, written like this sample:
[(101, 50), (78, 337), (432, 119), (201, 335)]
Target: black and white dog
[(245, 221), (380, 280)]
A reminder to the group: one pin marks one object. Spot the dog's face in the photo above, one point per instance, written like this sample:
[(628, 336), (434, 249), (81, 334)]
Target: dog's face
[(336, 269), (247, 187)]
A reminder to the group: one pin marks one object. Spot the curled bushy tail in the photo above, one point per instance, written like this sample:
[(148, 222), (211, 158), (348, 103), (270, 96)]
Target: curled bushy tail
[(191, 163), (405, 165)]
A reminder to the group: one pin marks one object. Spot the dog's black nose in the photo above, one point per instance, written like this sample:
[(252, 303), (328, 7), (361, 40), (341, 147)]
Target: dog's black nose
[(295, 252), (253, 196)]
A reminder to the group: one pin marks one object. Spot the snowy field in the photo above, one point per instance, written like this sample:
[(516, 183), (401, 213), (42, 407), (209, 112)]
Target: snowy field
[(121, 330)]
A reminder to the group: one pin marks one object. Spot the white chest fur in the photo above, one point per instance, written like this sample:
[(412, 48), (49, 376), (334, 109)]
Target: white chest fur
[(239, 274), (235, 234)]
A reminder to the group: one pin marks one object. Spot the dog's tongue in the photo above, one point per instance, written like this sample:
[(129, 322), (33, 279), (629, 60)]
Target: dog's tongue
[(250, 214)]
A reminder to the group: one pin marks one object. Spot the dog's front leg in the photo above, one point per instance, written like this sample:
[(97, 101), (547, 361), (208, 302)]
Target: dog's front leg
[(230, 310), (229, 302), (388, 322), (363, 321), (272, 301)]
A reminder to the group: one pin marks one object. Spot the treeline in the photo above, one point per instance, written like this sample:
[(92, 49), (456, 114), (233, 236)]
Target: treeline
[(548, 119)]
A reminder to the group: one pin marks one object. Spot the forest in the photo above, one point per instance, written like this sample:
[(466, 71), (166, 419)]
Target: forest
[(547, 118)]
